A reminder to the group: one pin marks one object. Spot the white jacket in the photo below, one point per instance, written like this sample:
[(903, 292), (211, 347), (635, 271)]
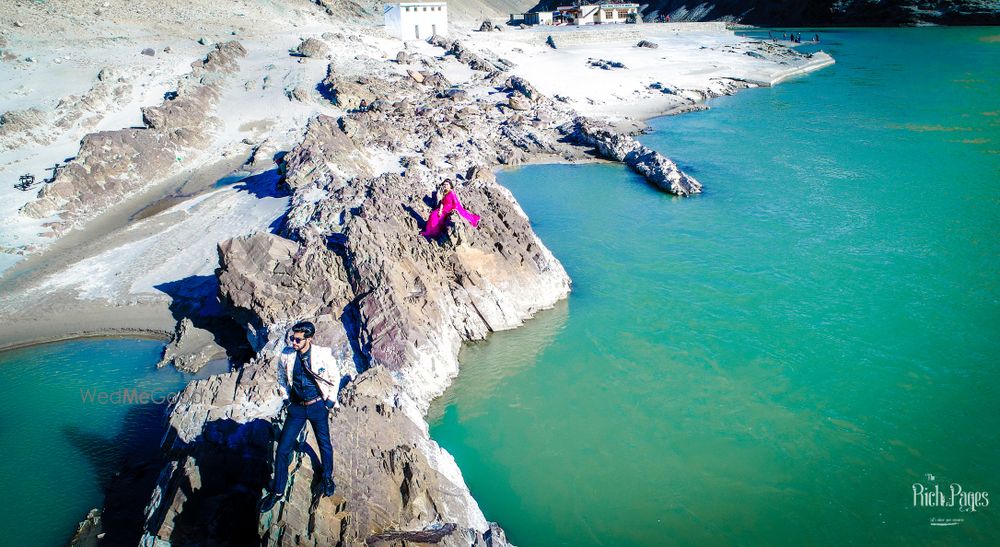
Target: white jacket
[(322, 364)]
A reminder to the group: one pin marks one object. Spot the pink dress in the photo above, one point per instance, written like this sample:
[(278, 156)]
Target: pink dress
[(439, 217)]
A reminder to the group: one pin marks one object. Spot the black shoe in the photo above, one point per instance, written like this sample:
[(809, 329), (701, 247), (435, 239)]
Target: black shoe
[(269, 502), (329, 487)]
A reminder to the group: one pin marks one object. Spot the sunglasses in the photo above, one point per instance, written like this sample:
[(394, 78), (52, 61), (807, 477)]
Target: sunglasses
[(297, 340)]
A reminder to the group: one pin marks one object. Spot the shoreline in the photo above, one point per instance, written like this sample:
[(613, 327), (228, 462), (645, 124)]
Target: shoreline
[(137, 334), (156, 318), (103, 305), (90, 319)]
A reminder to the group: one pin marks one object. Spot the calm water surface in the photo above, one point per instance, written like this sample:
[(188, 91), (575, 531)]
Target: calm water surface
[(779, 360), (62, 444)]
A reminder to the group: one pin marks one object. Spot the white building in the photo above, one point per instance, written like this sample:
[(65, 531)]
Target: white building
[(416, 20), (617, 13), (599, 14), (538, 18)]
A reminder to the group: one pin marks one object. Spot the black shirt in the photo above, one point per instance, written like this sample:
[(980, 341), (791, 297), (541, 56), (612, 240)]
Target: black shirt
[(304, 386)]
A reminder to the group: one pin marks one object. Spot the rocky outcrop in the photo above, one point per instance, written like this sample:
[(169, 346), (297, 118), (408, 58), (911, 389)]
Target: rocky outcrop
[(522, 86), (190, 348), (312, 47), (391, 478), (35, 126), (89, 532), (112, 165), (465, 55), (392, 304), (658, 170), (345, 92), (269, 280)]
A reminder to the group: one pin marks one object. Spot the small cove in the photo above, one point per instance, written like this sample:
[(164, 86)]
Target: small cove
[(72, 434)]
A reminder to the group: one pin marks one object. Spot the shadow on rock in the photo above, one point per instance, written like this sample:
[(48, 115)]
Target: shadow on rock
[(127, 466), (212, 498), (263, 185), (196, 298)]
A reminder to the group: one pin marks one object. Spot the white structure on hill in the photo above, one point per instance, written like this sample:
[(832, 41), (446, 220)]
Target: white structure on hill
[(416, 20)]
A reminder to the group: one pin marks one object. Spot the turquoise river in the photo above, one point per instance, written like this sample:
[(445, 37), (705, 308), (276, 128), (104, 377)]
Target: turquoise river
[(805, 354), (782, 360), (72, 431)]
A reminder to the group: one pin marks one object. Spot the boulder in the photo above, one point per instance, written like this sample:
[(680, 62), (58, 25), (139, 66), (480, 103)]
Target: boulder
[(312, 48), (519, 102), (522, 86)]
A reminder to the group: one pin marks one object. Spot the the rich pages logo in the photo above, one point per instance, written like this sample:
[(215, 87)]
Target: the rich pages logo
[(950, 495)]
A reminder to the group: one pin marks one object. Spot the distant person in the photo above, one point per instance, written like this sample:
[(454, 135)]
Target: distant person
[(310, 378), (816, 39), (449, 203), (784, 35), (363, 107), (799, 38)]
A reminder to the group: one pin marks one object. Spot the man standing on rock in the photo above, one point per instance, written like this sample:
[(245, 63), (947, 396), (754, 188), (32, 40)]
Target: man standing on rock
[(310, 377)]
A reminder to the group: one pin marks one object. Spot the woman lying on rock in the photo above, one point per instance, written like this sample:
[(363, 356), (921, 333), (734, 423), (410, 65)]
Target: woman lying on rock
[(438, 220)]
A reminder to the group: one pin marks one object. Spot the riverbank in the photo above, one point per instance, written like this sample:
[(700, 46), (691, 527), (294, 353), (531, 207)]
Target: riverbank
[(334, 239)]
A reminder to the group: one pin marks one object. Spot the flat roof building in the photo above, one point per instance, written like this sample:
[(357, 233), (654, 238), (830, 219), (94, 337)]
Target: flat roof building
[(538, 18), (599, 14), (416, 20)]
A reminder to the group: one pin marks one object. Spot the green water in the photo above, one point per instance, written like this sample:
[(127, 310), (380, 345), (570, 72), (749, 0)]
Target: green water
[(779, 360), (63, 447)]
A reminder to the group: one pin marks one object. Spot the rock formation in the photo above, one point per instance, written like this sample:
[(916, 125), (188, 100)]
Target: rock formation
[(112, 165), (657, 169), (35, 126), (392, 304), (312, 47), (190, 348)]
